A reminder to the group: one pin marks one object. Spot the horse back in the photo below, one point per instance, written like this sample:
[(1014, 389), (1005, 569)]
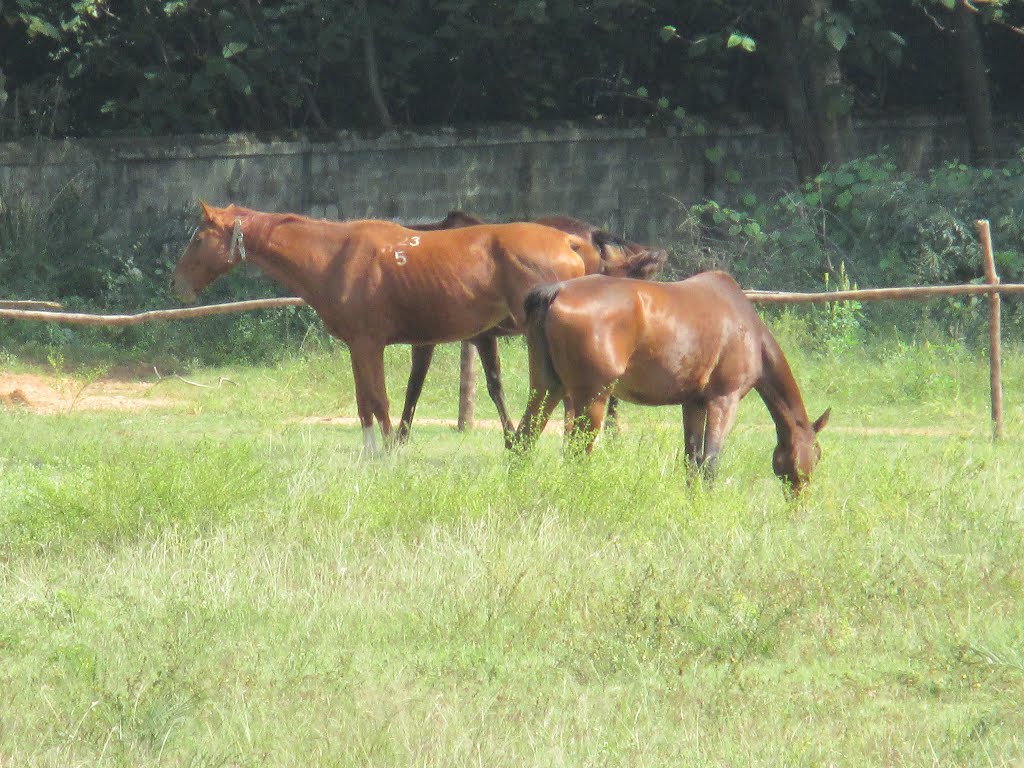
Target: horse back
[(593, 326), (550, 254), (661, 342)]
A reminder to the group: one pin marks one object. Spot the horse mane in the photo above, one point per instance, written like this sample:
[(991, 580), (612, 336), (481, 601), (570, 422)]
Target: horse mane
[(268, 218), (602, 238), (290, 218), (599, 237)]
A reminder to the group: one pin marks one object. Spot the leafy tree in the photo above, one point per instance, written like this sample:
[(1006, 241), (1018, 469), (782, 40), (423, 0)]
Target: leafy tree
[(960, 21), (89, 67)]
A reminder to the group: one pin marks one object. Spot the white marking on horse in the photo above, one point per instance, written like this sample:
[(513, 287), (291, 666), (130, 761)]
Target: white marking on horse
[(401, 257), (369, 440)]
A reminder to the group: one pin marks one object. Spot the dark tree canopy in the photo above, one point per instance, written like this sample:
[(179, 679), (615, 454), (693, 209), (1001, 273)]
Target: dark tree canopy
[(94, 67)]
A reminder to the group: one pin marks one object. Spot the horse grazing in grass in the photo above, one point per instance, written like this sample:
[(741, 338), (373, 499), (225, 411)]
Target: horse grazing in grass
[(619, 258), (698, 343), (375, 283)]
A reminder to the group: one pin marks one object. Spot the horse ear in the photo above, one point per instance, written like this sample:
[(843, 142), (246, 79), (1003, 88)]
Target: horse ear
[(206, 209), (612, 253), (819, 425)]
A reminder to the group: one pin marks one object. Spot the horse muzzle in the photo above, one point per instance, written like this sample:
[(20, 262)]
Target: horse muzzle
[(185, 293)]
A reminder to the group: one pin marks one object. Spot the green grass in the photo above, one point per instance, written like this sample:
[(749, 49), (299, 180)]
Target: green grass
[(225, 584)]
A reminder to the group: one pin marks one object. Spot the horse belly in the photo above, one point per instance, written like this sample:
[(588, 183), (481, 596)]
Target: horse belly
[(449, 321), (654, 385), (665, 369)]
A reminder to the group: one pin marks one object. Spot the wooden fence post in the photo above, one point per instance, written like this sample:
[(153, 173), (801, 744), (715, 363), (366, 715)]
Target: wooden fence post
[(994, 330), (467, 387)]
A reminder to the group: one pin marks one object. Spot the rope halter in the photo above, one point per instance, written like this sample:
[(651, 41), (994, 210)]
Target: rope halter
[(237, 243)]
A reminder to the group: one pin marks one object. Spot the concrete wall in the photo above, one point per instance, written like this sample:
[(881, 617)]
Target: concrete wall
[(628, 179)]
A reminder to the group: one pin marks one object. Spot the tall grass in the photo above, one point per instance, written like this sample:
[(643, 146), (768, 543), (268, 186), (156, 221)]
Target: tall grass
[(225, 584)]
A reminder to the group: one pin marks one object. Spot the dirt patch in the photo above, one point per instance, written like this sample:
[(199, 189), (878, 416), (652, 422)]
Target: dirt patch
[(47, 394)]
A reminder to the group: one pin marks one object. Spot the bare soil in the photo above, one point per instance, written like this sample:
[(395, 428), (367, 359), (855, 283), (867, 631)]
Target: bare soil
[(54, 394)]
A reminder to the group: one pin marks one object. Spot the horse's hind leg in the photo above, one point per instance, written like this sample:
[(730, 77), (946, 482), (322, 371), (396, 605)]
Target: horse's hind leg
[(590, 408), (371, 393), (421, 358), (487, 347), (538, 410)]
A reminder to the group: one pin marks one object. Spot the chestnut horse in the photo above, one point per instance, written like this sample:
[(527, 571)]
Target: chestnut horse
[(375, 283), (619, 258), (698, 343)]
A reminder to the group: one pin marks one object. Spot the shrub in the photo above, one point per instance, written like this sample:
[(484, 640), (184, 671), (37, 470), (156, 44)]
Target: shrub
[(883, 226)]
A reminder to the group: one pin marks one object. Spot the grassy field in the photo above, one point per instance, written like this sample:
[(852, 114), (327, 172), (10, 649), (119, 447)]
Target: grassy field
[(223, 583)]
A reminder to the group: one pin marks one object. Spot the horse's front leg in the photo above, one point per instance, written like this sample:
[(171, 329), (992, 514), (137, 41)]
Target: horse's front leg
[(487, 347), (695, 415), (611, 419), (371, 393), (421, 358), (721, 413)]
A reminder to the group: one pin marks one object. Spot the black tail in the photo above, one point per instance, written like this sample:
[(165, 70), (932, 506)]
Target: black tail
[(536, 304)]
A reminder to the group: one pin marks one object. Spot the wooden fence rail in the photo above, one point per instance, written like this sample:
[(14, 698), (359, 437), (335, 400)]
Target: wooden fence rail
[(919, 293), (759, 297), (185, 313)]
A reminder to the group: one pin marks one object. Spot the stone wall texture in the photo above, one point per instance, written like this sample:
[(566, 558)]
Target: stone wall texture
[(630, 180)]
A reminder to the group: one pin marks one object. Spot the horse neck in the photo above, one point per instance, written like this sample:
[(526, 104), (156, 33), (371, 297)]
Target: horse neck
[(280, 248), (780, 393)]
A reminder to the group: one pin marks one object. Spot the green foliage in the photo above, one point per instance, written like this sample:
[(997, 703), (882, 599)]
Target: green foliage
[(744, 42), (839, 324), (89, 67), (883, 226)]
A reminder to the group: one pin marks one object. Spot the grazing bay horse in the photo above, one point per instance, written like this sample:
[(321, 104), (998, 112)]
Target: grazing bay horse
[(698, 343), (619, 258), (375, 283)]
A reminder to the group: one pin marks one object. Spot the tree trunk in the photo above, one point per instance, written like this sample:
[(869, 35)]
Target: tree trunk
[(825, 85), (808, 77), (970, 59), (783, 61), (372, 74)]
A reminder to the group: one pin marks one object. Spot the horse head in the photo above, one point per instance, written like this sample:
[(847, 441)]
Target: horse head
[(619, 257), (215, 248), (794, 461), (622, 258)]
